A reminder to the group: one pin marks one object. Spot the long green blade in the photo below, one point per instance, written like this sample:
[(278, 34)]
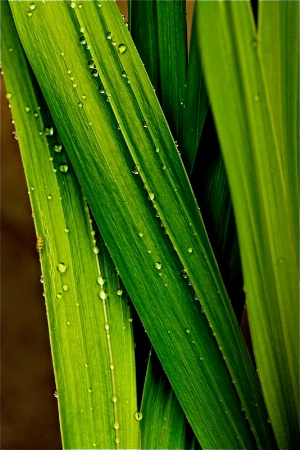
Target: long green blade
[(164, 425), (280, 60), (91, 338), (158, 29), (261, 183), (203, 354), (196, 103)]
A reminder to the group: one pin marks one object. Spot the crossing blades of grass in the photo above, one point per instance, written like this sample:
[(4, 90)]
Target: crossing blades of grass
[(91, 338), (248, 91), (120, 146)]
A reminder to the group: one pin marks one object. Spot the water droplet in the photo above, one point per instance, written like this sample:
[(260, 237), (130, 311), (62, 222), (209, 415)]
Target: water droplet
[(94, 72), (82, 40), (80, 6), (196, 297), (201, 358), (68, 323), (64, 168), (91, 64), (268, 420), (134, 170), (49, 197), (187, 330), (66, 230), (141, 234), (58, 295), (8, 95), (57, 148), (138, 415), (65, 287), (80, 105), (124, 74), (90, 390), (108, 35), (190, 250), (112, 367), (100, 281), (145, 124), (163, 166), (130, 320), (106, 326), (102, 294), (122, 48), (114, 399), (73, 5), (158, 265), (101, 90), (116, 425), (49, 131), (29, 14), (61, 267), (257, 97), (27, 109), (157, 149), (35, 115), (184, 274), (96, 250), (10, 49), (119, 292), (14, 135), (150, 196)]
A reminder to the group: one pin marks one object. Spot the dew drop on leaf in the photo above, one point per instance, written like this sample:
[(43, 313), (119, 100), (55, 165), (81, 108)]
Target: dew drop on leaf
[(138, 415), (135, 170), (61, 267), (122, 48), (102, 294), (64, 168), (158, 265), (49, 131)]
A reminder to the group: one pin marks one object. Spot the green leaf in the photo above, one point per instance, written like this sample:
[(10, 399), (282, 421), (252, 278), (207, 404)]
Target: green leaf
[(163, 426), (203, 355), (262, 183), (196, 103), (280, 60), (158, 30), (91, 339)]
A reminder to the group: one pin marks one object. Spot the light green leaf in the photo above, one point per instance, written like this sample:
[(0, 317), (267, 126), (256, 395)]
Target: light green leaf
[(261, 181), (91, 339)]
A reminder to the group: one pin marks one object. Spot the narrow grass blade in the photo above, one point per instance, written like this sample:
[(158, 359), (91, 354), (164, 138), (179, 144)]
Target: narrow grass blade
[(164, 425), (210, 184), (280, 60), (108, 137), (91, 339), (158, 30), (261, 184), (196, 104)]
